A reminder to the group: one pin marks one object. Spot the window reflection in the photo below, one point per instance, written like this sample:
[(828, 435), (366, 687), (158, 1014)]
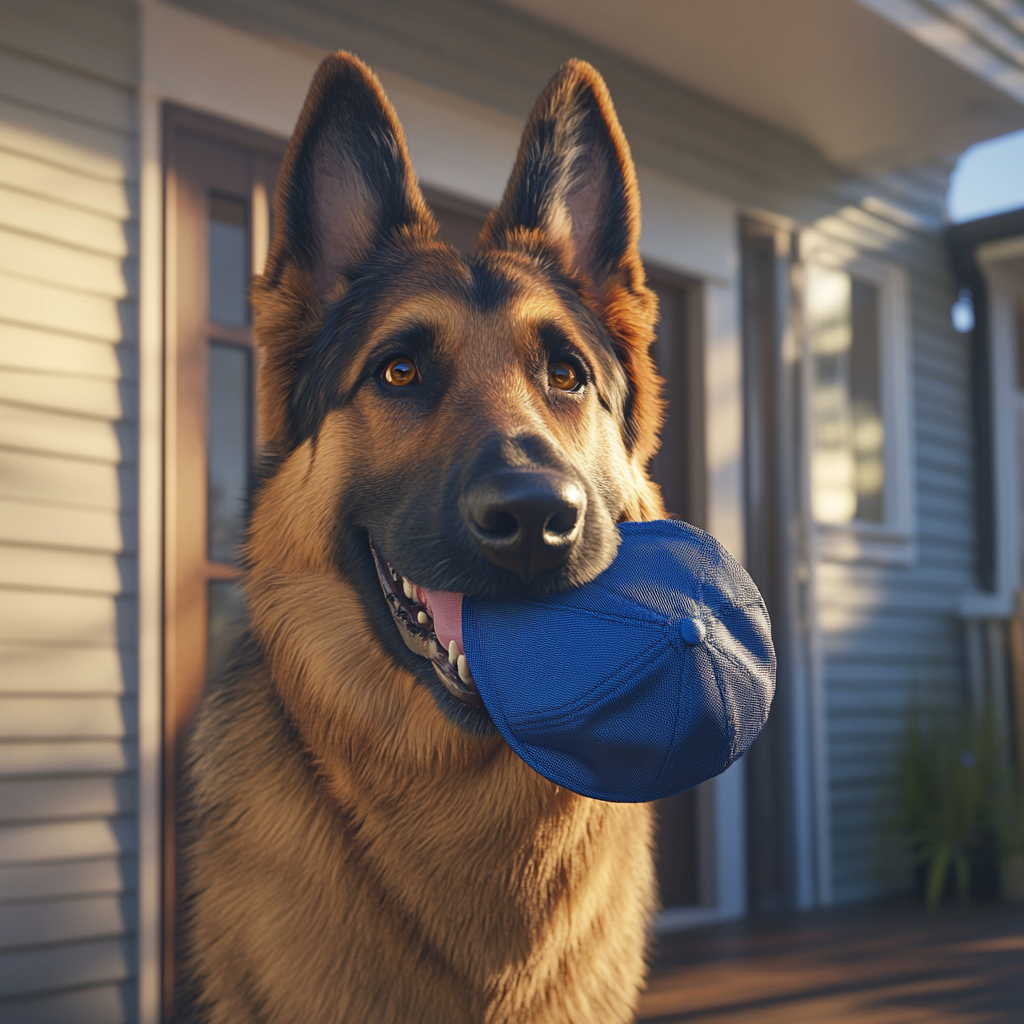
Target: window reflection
[(229, 421), (229, 261), (848, 467)]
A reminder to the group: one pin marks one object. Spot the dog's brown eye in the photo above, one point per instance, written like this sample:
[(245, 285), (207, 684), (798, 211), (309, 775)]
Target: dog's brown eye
[(563, 376), (401, 371)]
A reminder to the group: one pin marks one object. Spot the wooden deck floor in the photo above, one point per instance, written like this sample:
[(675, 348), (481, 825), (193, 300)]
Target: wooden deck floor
[(894, 965)]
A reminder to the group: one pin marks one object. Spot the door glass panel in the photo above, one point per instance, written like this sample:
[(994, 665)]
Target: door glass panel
[(1019, 346), (670, 466), (225, 610), (228, 444), (229, 261)]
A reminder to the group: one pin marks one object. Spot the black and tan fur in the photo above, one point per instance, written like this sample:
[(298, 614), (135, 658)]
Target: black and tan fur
[(360, 846)]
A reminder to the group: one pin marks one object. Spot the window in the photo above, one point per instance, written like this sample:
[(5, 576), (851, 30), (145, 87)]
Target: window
[(1018, 323), (859, 408), (848, 433)]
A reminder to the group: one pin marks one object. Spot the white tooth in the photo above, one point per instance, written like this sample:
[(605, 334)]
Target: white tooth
[(410, 590), (453, 652), (422, 618), (464, 673)]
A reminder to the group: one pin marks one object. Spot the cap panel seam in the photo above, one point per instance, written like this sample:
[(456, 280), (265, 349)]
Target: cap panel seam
[(596, 693), (727, 712), (687, 654)]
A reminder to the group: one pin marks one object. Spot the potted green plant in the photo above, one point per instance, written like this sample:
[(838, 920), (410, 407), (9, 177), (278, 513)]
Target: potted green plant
[(948, 783)]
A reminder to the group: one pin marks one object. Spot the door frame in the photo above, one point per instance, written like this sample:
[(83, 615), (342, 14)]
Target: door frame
[(202, 156)]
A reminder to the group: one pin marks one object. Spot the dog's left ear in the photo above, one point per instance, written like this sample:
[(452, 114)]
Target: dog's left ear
[(346, 190), (573, 191)]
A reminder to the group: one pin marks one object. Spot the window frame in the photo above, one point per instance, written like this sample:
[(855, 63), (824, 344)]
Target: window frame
[(892, 541), (190, 175)]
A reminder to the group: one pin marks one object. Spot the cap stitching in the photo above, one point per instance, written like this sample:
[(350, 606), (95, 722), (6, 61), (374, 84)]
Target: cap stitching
[(595, 694), (728, 714), (687, 653), (628, 620), (729, 656)]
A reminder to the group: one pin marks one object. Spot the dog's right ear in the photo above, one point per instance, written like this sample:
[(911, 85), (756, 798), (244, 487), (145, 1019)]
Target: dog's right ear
[(345, 188)]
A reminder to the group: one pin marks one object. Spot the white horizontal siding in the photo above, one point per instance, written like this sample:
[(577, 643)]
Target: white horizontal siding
[(97, 1004), (27, 347), (95, 876), (76, 964), (66, 757), (68, 709)]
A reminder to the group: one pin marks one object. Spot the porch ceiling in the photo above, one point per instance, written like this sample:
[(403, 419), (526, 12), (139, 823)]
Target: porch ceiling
[(869, 90)]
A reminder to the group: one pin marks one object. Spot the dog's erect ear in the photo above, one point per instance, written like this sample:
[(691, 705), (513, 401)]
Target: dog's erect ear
[(573, 190), (345, 188), (574, 181)]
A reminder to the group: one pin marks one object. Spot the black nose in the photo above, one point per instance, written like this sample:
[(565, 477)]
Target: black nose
[(525, 520)]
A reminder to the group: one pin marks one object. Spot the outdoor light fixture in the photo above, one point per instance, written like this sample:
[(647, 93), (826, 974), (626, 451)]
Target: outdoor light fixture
[(962, 312)]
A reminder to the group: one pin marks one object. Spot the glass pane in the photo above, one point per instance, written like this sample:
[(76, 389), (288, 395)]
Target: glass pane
[(866, 401), (1019, 327), (229, 261), (228, 448), (670, 467), (225, 613), (848, 433)]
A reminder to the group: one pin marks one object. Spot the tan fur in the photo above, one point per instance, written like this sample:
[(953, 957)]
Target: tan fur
[(353, 856)]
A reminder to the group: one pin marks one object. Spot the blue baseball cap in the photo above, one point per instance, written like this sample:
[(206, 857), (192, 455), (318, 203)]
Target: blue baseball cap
[(646, 681)]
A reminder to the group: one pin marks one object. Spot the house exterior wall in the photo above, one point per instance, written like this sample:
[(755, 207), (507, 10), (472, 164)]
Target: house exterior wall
[(879, 629), (68, 442)]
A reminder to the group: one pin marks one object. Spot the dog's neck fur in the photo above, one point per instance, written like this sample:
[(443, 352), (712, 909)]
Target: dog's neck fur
[(493, 895), (455, 844)]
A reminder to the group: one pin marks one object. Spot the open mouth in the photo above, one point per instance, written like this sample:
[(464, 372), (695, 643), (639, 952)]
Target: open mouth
[(411, 608)]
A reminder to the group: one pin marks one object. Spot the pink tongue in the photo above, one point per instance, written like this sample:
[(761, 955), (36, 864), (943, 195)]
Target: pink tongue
[(445, 608)]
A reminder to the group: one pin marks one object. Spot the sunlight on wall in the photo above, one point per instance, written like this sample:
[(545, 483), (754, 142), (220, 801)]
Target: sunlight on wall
[(68, 452)]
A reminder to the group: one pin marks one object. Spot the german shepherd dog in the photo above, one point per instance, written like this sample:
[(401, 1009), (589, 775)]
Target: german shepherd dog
[(360, 845)]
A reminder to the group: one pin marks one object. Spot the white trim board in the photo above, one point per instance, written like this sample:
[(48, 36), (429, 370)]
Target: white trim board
[(1005, 290)]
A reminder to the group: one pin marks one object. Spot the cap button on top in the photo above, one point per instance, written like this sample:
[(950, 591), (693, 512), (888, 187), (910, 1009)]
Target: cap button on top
[(692, 630)]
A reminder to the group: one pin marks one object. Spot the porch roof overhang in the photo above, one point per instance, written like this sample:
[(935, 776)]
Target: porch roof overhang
[(871, 84)]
